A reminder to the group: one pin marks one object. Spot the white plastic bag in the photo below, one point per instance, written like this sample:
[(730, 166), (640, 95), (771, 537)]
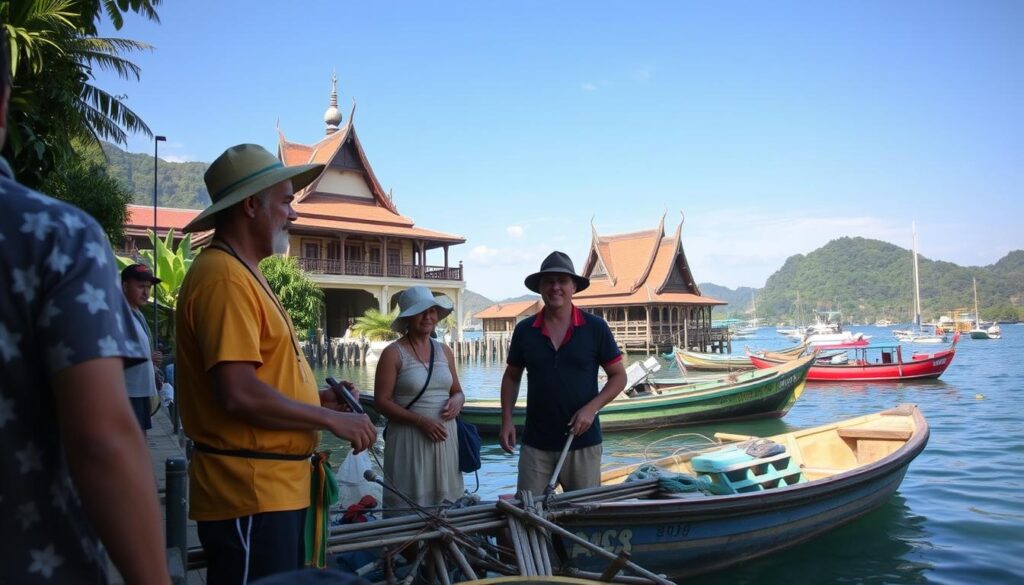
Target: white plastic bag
[(166, 394), (352, 486)]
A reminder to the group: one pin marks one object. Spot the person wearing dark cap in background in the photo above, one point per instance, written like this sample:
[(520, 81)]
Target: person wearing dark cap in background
[(136, 283), (76, 482), (246, 394), (561, 349)]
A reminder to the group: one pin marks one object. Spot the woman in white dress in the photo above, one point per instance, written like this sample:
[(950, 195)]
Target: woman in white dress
[(421, 452)]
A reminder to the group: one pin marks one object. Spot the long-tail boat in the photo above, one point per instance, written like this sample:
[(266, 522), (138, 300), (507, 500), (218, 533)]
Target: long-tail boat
[(695, 360), (860, 364)]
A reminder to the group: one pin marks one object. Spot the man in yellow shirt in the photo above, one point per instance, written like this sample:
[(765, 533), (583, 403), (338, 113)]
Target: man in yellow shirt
[(247, 397)]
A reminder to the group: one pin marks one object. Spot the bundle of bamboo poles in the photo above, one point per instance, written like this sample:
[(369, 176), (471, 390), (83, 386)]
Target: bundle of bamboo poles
[(459, 537)]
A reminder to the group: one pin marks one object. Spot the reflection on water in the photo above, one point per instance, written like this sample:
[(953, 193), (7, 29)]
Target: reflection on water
[(878, 548), (957, 516)]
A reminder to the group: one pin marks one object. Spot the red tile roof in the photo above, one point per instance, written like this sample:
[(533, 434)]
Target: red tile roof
[(509, 310), (342, 224), (322, 207), (141, 217), (639, 267)]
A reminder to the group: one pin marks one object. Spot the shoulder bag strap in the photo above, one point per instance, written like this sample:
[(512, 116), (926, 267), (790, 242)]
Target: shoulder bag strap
[(430, 372)]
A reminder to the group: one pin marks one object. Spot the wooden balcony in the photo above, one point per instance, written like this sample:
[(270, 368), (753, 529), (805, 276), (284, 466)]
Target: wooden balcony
[(363, 268)]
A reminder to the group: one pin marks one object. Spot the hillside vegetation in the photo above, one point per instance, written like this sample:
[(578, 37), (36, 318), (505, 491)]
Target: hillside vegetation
[(870, 279), (739, 299), (179, 184)]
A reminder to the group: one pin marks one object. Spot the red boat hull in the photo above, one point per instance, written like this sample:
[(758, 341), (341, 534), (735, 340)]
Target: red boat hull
[(916, 368)]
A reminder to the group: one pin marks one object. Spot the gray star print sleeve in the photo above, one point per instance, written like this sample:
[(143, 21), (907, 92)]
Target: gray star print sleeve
[(82, 313)]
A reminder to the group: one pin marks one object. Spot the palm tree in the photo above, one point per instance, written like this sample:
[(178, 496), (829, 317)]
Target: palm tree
[(54, 50), (376, 326)]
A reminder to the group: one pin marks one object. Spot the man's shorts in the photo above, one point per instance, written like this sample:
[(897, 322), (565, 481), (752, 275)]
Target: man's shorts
[(243, 549), (582, 468)]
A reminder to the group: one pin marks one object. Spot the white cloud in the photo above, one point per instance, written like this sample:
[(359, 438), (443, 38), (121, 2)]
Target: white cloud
[(643, 74), (487, 256), (498, 272), (588, 86), (516, 231), (178, 158), (739, 247)]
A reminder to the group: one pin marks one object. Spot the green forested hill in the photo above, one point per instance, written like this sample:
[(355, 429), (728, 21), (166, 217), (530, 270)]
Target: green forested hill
[(871, 279), (180, 184), (739, 299)]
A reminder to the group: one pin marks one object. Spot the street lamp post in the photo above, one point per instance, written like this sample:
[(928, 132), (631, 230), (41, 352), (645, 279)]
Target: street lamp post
[(156, 332)]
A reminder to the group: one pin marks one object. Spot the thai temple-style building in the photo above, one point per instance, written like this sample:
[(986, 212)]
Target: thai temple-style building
[(641, 284), (349, 236), (501, 318)]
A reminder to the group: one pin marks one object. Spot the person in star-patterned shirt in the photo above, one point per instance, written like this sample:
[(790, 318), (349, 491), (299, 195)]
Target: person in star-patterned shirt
[(74, 470)]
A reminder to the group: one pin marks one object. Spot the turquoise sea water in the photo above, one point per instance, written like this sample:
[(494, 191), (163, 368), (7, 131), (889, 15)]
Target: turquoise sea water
[(958, 516)]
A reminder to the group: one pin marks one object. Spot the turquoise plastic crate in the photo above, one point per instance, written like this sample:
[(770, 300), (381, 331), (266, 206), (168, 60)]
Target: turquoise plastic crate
[(732, 471)]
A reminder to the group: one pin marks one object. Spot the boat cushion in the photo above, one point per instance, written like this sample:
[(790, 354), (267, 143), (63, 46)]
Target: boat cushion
[(718, 461)]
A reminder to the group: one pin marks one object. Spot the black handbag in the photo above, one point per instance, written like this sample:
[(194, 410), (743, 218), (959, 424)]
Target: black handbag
[(469, 446)]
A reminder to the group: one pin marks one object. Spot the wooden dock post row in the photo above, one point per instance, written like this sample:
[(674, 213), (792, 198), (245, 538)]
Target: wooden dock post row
[(334, 352), (493, 350)]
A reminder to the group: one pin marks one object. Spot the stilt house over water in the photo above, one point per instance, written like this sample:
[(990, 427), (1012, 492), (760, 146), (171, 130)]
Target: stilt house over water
[(641, 284), (350, 237), (501, 318)]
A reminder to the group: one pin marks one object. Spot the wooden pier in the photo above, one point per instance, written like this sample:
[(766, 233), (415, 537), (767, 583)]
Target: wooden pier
[(337, 352)]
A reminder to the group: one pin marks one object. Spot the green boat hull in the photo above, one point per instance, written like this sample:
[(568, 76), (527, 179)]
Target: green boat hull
[(758, 394)]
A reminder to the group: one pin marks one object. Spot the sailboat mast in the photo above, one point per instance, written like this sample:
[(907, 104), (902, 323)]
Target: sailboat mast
[(977, 317), (917, 284)]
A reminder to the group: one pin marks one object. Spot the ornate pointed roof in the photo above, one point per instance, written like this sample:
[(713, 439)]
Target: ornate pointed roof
[(347, 195), (639, 268)]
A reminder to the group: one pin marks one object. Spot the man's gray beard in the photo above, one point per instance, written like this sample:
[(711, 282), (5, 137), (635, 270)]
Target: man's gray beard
[(280, 242)]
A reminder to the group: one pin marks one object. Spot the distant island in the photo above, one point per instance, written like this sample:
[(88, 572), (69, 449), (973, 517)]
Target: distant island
[(870, 279)]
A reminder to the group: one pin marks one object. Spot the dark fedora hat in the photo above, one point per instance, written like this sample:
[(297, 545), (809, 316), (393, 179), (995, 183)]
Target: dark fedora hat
[(556, 263)]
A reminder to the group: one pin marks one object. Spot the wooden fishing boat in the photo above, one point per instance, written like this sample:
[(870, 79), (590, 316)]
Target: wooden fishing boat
[(711, 362), (827, 476), (695, 360), (743, 395), (861, 365)]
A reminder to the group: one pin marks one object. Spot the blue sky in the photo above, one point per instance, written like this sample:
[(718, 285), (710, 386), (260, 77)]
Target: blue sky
[(773, 126)]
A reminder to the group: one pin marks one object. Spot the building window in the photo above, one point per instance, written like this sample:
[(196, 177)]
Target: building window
[(394, 256), (374, 254), (353, 253), (311, 249), (334, 250)]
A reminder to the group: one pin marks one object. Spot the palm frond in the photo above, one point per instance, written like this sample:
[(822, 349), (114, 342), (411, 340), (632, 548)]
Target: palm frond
[(124, 68), (94, 99), (115, 10)]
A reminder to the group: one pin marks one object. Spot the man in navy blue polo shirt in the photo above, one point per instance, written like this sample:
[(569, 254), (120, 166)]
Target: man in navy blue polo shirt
[(561, 349)]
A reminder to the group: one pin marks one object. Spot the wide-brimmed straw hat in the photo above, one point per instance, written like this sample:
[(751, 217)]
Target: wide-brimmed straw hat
[(242, 171), (414, 301), (556, 263)]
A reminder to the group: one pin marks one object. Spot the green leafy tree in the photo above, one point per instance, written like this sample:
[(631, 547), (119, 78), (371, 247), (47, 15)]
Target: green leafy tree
[(376, 326), (54, 50), (87, 185), (173, 265), (301, 297)]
